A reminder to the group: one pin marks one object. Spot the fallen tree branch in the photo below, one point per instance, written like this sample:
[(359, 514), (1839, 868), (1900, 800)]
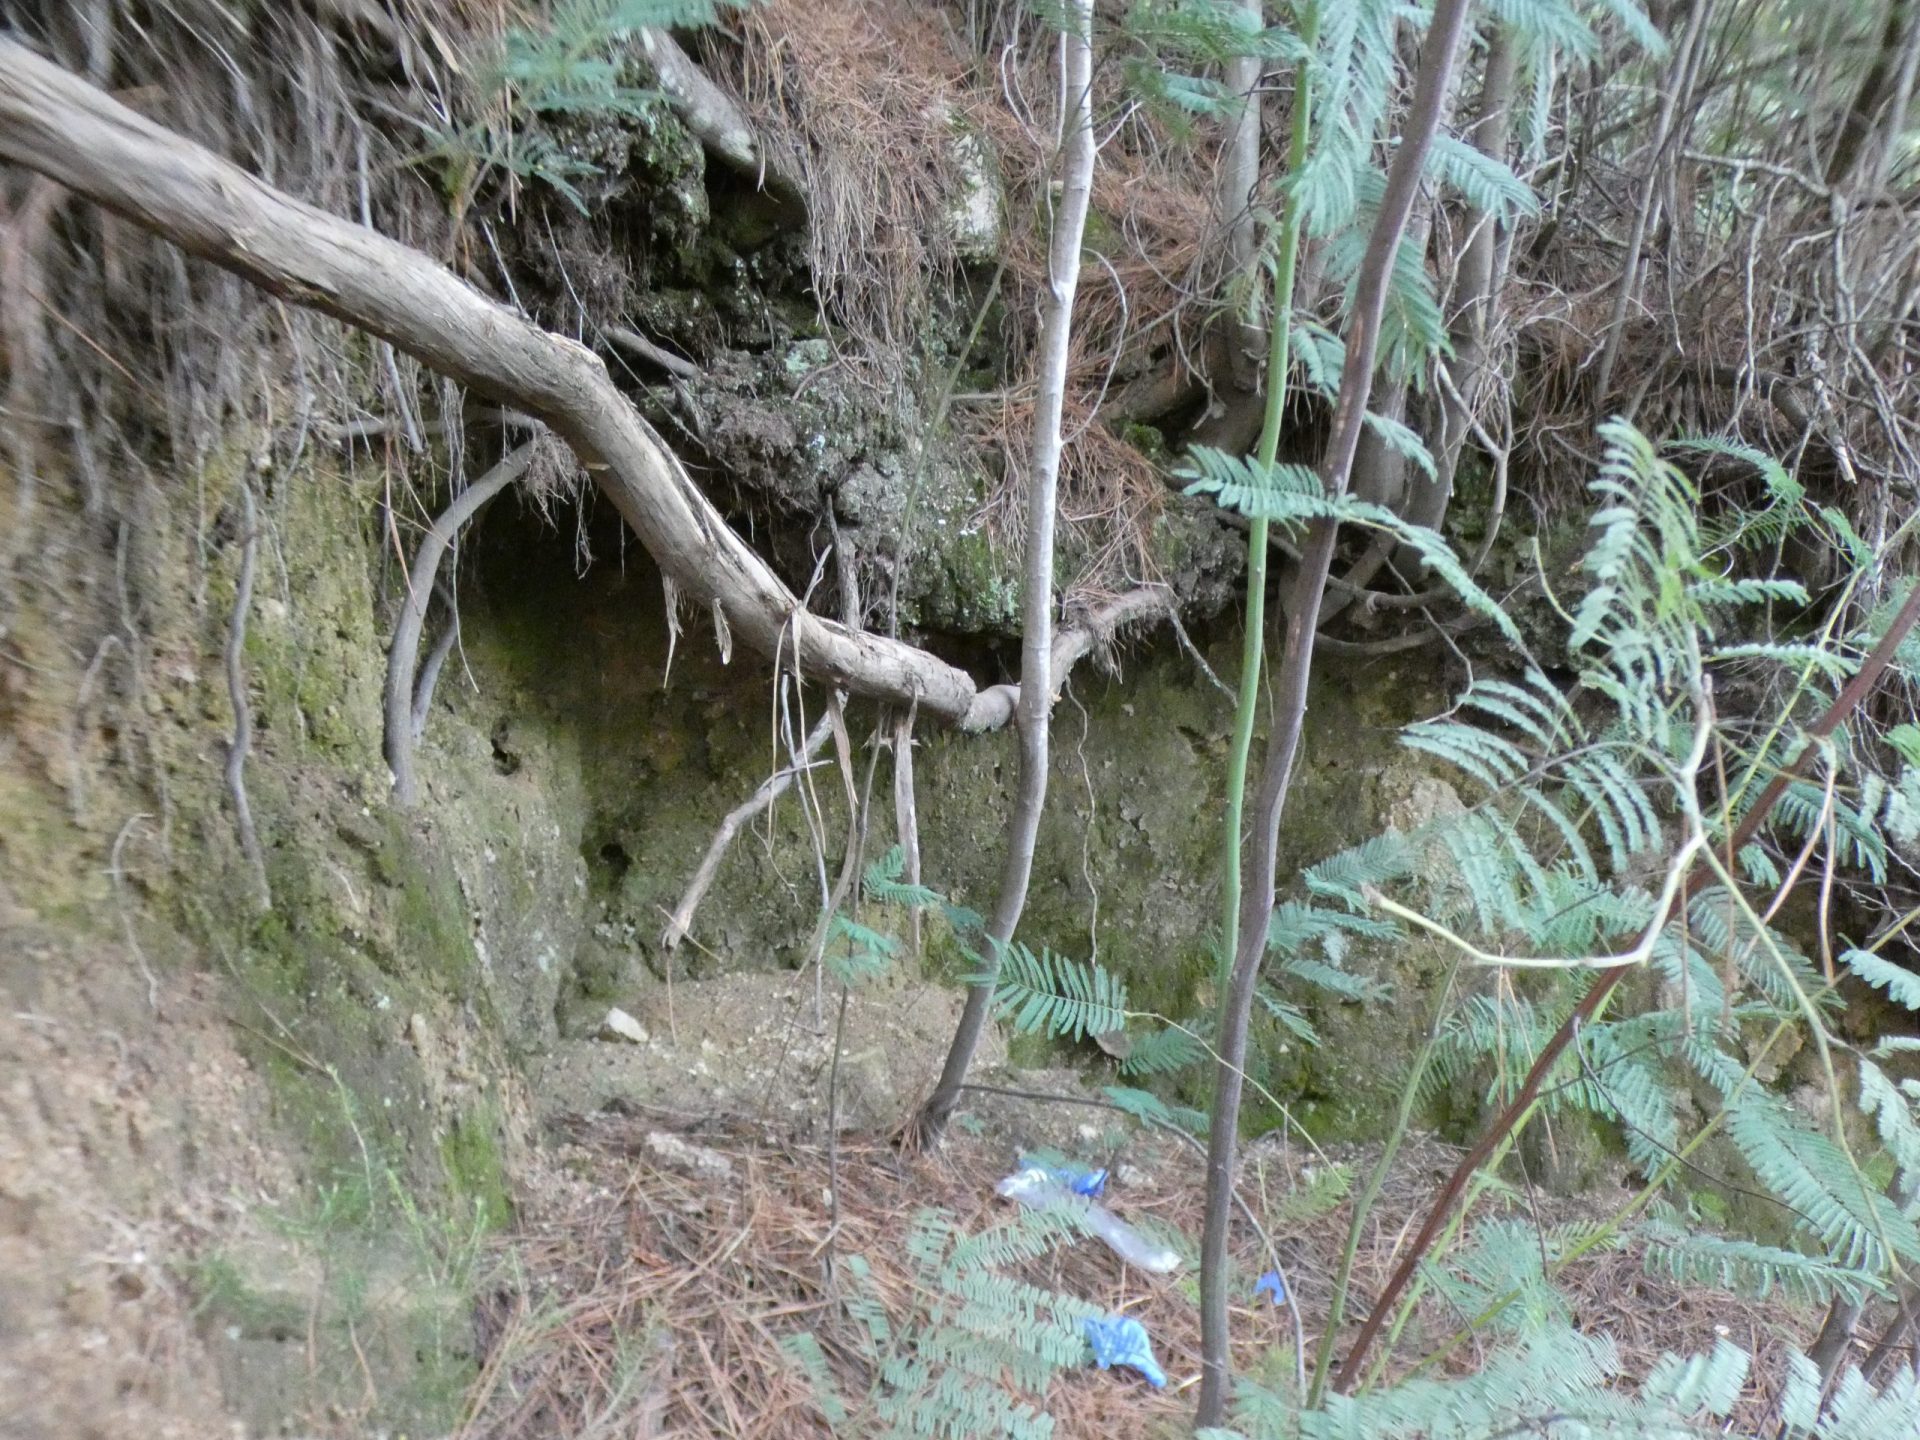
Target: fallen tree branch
[(404, 654), (634, 343), (55, 123)]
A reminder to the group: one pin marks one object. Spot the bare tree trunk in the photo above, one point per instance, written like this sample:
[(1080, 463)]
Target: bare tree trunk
[(1290, 691), (1876, 87), (1239, 179), (1474, 281), (1036, 651)]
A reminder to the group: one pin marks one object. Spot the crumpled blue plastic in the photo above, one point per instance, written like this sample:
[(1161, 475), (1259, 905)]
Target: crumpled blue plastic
[(1122, 1340), (1090, 1183), (1271, 1284)]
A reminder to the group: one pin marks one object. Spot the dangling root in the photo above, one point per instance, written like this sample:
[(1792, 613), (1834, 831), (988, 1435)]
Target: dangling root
[(403, 656), (755, 805), (242, 741)]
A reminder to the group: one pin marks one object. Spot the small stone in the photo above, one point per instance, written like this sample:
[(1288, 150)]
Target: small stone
[(619, 1025), (683, 1155)]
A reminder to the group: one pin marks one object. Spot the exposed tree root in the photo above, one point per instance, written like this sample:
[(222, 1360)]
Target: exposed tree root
[(404, 654), (436, 660), (54, 122), (634, 343), (755, 805), (716, 122), (242, 742)]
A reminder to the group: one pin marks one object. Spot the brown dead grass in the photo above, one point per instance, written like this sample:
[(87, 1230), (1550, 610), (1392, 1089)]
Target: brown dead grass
[(865, 99), (646, 1299)]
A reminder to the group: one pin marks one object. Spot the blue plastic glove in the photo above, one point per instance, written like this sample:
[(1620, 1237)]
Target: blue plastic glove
[(1271, 1284), (1122, 1340)]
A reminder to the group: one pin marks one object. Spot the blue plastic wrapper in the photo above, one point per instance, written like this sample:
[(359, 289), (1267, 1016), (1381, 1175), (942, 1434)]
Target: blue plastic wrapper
[(1122, 1340), (1090, 1183), (1271, 1284)]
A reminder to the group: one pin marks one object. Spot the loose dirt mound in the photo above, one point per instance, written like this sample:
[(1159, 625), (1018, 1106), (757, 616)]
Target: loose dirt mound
[(749, 1047)]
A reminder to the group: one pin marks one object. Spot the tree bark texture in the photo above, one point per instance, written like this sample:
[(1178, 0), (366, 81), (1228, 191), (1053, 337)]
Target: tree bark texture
[(1037, 641), (1290, 689)]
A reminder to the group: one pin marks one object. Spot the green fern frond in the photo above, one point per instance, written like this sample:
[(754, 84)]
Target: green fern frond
[(1050, 994), (857, 954), (1856, 1411), (1486, 184), (1403, 440), (1552, 23), (1162, 1052), (1331, 978), (1319, 1194), (881, 883), (1535, 709), (1902, 984), (806, 1353), (1746, 1268), (1146, 1106), (1288, 1015), (1814, 1178), (1698, 1384), (1376, 863), (1320, 354), (1892, 1109)]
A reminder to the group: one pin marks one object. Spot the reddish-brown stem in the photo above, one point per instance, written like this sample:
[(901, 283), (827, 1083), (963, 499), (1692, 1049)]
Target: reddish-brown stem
[(1603, 985)]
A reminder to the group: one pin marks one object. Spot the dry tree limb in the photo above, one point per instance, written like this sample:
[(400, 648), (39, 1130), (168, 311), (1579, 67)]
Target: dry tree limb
[(403, 655), (241, 744), (737, 819), (715, 121), (634, 343), (53, 122)]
